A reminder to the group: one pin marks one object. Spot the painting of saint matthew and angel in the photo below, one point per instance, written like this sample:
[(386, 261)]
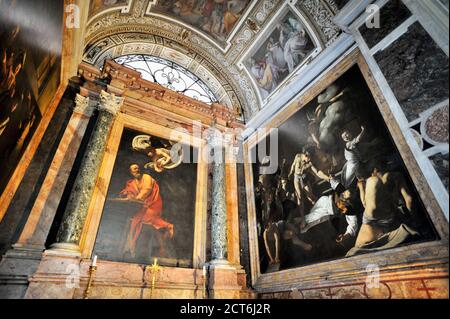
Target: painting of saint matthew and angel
[(341, 189), (150, 208)]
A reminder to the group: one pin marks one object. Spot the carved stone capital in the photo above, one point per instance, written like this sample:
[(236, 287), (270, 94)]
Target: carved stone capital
[(82, 105), (110, 103), (214, 137)]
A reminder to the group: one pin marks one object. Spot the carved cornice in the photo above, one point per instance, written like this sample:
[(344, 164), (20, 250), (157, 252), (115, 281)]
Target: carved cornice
[(142, 98)]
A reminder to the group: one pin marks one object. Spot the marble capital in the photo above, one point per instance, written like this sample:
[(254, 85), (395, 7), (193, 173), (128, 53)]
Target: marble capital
[(83, 106), (110, 103)]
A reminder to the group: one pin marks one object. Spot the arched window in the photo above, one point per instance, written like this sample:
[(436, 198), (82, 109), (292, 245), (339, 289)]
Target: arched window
[(169, 75)]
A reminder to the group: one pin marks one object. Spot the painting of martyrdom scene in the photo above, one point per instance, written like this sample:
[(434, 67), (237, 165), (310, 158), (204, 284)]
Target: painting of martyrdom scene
[(99, 5), (341, 189), (150, 208), (287, 46), (217, 18), (30, 54)]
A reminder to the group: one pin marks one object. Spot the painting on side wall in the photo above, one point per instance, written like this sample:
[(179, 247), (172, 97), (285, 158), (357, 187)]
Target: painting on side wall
[(287, 46), (341, 189), (30, 57), (150, 208), (216, 18), (97, 6)]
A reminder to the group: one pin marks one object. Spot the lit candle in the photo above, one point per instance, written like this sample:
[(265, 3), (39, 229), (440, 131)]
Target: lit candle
[(94, 262), (204, 271)]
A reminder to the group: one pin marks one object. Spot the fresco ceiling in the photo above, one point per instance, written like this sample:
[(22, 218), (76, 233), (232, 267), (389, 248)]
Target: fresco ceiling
[(229, 44)]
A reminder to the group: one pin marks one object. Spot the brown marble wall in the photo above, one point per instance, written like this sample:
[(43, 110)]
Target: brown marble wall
[(22, 203), (71, 180), (418, 288), (341, 3), (243, 223), (64, 277), (440, 163), (417, 71), (392, 15)]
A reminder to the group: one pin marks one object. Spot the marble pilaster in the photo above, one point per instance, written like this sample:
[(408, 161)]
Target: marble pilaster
[(23, 259), (71, 228), (43, 212), (223, 276)]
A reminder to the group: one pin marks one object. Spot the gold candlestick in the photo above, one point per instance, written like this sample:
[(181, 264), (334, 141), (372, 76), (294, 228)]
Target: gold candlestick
[(87, 292), (154, 269)]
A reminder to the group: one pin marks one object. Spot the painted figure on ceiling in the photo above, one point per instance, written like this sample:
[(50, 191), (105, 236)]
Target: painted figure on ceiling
[(282, 52), (216, 17)]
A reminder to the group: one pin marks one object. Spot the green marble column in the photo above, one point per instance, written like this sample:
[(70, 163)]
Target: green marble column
[(219, 241), (71, 228)]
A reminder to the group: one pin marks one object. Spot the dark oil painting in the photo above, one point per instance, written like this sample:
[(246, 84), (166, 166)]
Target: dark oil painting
[(341, 189), (217, 18), (30, 56), (150, 207)]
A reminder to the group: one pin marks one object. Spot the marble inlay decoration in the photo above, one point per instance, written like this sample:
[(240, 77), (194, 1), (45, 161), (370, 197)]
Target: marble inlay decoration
[(415, 59), (436, 126), (441, 164), (392, 15)]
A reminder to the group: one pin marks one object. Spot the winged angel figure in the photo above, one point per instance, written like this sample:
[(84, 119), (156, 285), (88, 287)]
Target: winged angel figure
[(162, 157)]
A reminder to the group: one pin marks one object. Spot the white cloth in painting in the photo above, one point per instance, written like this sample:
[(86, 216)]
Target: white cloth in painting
[(353, 158), (324, 210), (278, 56), (295, 50), (258, 73)]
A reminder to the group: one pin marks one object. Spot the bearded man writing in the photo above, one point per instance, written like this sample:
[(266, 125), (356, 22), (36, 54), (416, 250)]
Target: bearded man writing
[(144, 189)]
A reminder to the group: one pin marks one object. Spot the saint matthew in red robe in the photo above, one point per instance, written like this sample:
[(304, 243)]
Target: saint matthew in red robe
[(145, 189)]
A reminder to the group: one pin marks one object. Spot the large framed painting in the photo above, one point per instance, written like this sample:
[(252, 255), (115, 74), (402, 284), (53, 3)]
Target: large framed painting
[(283, 48), (217, 19), (342, 189), (150, 209), (30, 58)]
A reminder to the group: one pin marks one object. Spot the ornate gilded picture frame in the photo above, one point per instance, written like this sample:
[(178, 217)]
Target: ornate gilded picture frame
[(345, 269), (131, 129)]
